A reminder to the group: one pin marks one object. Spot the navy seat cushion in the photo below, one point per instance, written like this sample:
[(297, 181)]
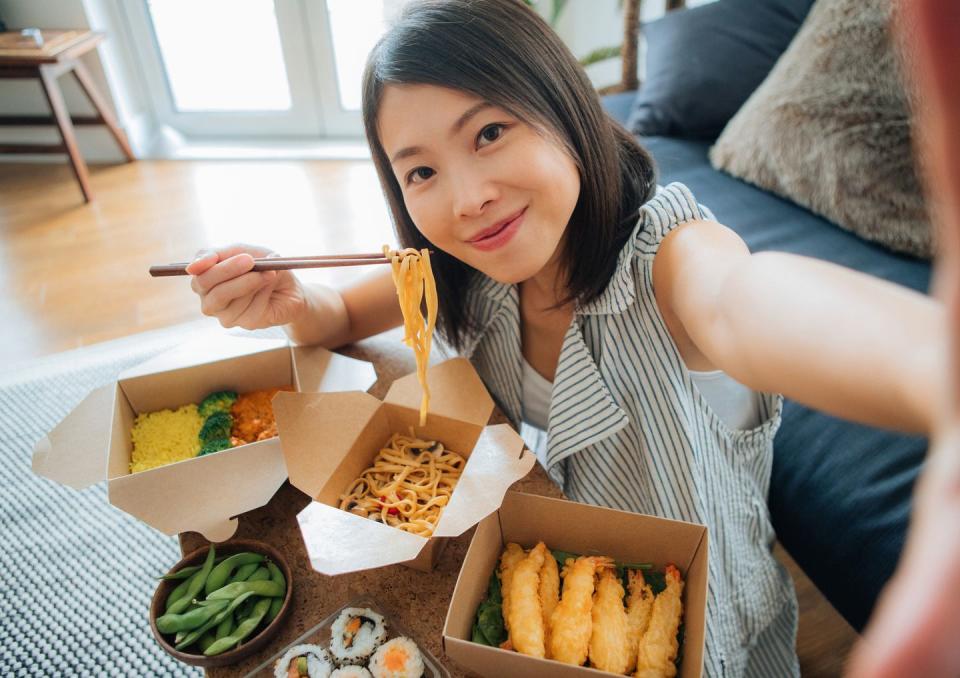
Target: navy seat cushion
[(840, 493), (702, 63)]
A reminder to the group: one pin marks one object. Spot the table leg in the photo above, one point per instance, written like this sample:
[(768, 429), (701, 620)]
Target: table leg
[(51, 89), (86, 83)]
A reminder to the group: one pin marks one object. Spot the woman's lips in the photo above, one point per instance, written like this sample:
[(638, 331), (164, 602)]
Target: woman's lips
[(500, 237)]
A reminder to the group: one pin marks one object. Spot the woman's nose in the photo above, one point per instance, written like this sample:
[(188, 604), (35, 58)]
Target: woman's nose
[(471, 194)]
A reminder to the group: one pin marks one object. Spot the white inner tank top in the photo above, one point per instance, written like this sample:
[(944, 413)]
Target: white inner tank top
[(736, 405)]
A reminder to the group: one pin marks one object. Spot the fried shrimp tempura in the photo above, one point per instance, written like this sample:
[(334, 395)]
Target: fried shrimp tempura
[(658, 646), (511, 555), (524, 610), (609, 649), (639, 607), (549, 594), (570, 624)]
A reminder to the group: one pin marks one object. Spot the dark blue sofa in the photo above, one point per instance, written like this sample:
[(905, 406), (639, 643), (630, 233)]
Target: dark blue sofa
[(840, 493)]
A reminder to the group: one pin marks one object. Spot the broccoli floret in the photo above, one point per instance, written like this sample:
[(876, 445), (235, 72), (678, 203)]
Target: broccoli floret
[(214, 446), (216, 427), (221, 401)]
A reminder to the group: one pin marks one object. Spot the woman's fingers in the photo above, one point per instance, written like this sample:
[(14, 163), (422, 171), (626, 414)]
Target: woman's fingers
[(206, 258), (234, 310), (222, 272), (203, 261), (221, 296), (252, 317), (230, 290)]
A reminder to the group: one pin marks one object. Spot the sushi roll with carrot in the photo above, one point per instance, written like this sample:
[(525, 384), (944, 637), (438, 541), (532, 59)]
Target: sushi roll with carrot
[(355, 634), (303, 661), (397, 658)]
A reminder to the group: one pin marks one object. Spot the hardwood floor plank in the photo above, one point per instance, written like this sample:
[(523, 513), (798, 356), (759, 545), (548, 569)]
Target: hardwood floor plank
[(75, 274)]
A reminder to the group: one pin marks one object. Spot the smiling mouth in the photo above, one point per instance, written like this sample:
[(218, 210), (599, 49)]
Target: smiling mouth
[(493, 232)]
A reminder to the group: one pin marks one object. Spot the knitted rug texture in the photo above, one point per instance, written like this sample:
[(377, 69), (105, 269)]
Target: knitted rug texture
[(76, 574)]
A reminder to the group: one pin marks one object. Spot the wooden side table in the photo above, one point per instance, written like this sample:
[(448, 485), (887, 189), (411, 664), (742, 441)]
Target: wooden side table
[(60, 52)]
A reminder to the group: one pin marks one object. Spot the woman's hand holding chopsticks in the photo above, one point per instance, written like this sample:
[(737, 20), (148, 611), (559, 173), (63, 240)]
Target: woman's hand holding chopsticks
[(236, 295)]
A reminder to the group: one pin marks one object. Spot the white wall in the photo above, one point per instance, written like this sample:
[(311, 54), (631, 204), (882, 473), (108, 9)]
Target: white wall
[(126, 98)]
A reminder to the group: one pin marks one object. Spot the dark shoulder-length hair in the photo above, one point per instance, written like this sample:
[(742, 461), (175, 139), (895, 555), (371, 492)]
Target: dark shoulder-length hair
[(503, 52)]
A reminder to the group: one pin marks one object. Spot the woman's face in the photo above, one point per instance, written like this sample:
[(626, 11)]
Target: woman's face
[(480, 184)]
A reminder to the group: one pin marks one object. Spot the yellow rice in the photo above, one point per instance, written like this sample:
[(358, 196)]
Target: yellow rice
[(165, 437)]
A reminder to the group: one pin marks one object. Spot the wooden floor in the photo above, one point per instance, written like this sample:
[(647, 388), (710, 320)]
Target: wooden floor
[(76, 274)]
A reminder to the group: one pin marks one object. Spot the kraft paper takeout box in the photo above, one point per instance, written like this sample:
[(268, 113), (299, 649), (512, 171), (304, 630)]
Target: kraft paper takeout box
[(328, 440), (582, 529), (203, 494)]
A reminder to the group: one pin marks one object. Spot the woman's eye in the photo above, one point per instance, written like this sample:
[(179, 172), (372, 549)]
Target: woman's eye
[(419, 175), (489, 134)]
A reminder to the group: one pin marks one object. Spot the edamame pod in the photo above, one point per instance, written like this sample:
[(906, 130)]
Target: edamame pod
[(182, 573), (195, 634), (179, 592), (197, 582), (206, 640), (244, 610), (185, 572), (219, 575), (276, 604), (276, 576), (172, 623), (243, 572), (225, 628), (262, 574), (268, 589), (245, 628)]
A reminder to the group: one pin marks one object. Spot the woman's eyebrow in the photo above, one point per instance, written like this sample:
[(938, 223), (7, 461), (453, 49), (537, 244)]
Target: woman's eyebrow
[(454, 130)]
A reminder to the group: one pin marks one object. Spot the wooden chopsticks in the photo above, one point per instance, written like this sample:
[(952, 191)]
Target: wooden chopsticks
[(286, 263)]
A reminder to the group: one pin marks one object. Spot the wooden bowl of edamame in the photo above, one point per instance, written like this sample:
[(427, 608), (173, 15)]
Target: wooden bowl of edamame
[(218, 610)]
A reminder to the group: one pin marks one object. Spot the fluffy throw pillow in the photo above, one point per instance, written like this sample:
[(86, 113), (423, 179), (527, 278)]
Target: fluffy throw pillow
[(704, 62), (830, 128)]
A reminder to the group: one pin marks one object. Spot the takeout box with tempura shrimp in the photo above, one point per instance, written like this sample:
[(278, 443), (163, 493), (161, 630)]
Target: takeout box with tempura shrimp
[(579, 529), (202, 493), (328, 440)]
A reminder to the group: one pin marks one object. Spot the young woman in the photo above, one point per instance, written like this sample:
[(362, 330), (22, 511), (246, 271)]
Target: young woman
[(624, 320)]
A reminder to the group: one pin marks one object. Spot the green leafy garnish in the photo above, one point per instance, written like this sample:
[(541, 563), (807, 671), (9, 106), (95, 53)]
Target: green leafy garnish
[(488, 628)]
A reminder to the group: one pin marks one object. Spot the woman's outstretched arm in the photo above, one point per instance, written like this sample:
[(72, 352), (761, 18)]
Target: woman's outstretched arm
[(840, 341)]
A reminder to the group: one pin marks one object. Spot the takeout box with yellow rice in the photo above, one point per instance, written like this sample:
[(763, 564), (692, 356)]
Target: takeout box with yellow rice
[(186, 440), (614, 583), (383, 495)]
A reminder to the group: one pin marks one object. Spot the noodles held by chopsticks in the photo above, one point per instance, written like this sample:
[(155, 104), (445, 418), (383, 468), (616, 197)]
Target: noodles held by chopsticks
[(407, 486), (415, 284)]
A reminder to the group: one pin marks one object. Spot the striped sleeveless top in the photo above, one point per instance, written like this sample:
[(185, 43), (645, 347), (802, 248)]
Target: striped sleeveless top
[(628, 429)]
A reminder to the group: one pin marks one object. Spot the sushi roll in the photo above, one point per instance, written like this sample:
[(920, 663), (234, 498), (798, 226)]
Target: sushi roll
[(351, 672), (355, 634), (397, 658), (303, 660)]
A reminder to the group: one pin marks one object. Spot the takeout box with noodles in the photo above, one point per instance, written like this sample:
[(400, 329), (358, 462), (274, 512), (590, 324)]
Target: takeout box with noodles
[(329, 439), (573, 528), (202, 493)]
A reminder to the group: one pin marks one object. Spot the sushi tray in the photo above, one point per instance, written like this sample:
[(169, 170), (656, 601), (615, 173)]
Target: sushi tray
[(359, 640)]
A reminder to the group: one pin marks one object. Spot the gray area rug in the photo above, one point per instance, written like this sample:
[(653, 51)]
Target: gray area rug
[(76, 574)]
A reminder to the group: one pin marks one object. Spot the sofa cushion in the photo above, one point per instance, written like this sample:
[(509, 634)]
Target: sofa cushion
[(840, 492), (704, 62), (830, 128)]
